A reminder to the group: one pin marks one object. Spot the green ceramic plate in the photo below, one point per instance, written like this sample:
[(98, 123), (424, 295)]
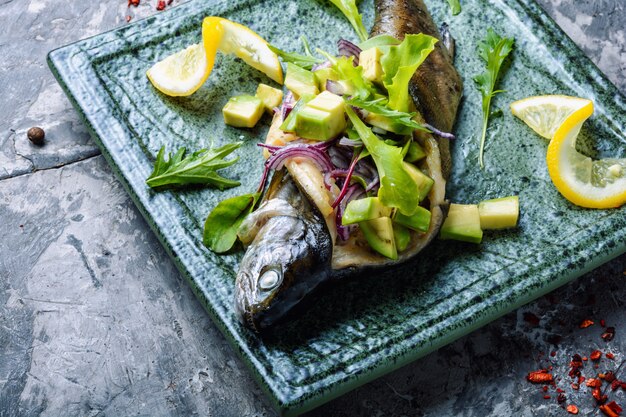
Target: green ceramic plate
[(371, 325)]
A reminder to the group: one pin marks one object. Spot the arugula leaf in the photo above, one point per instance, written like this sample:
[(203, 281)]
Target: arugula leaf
[(399, 64), (304, 61), (349, 9), (220, 227), (493, 50), (379, 106), (197, 168), (397, 187), (378, 41), (455, 6), (347, 71)]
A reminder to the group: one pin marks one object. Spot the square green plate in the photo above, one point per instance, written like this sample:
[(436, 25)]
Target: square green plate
[(371, 325)]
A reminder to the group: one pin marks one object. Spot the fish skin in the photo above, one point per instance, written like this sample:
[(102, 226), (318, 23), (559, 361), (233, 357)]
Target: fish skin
[(436, 87), (291, 240)]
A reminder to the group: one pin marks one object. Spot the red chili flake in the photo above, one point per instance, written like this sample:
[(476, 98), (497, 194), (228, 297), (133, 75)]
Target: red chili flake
[(610, 355), (572, 409), (593, 382), (623, 385), (561, 398), (546, 397), (531, 319), (540, 377), (545, 388), (133, 3), (559, 390), (611, 409), (553, 353), (576, 364), (595, 355), (609, 376), (585, 358), (575, 386), (581, 379), (616, 384), (597, 394), (128, 18), (602, 323), (586, 323), (608, 334), (160, 5)]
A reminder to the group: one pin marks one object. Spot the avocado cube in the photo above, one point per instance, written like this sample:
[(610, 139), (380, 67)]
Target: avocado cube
[(329, 102), (423, 181), (379, 234), (300, 81), (462, 223), (402, 236), (420, 221), (385, 123), (312, 123), (289, 124), (243, 111), (324, 74), (270, 96), (364, 209), (499, 213), (369, 59), (415, 152)]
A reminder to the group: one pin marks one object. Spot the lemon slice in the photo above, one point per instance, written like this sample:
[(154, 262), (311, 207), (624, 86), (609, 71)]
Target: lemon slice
[(544, 114), (184, 72), (232, 38), (582, 180)]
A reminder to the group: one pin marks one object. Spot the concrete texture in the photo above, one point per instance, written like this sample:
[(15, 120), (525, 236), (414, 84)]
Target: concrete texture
[(96, 321)]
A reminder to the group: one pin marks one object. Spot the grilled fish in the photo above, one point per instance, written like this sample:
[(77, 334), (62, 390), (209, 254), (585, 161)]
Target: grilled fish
[(291, 237)]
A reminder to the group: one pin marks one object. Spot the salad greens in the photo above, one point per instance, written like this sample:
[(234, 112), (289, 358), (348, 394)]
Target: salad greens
[(399, 64), (379, 106), (303, 61), (197, 168), (397, 187), (349, 9), (220, 227), (493, 50), (378, 41), (354, 75), (455, 6)]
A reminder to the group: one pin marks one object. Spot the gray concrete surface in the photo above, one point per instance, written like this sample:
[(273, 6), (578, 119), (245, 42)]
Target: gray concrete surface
[(96, 321)]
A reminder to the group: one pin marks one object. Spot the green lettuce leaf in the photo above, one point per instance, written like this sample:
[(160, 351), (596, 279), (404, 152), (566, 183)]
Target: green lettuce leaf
[(220, 228), (349, 9), (348, 72), (197, 168), (379, 41), (399, 64), (455, 6), (397, 187)]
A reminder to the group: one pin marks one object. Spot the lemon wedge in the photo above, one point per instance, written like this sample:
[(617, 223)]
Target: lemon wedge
[(184, 72), (544, 114), (582, 180), (233, 38)]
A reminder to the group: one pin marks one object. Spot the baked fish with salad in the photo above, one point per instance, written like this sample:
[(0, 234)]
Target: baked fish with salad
[(356, 157)]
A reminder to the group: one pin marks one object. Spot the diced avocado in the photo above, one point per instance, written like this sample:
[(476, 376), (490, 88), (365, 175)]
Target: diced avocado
[(324, 74), (270, 96), (379, 234), (243, 111), (369, 59), (364, 209), (420, 221), (402, 236), (289, 124), (322, 118), (300, 81), (387, 124), (415, 152), (312, 123), (462, 223), (423, 181), (499, 213)]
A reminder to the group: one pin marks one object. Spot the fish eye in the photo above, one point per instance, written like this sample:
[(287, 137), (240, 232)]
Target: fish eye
[(269, 279)]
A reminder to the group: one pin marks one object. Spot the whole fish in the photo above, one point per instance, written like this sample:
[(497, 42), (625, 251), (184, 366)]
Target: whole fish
[(290, 242)]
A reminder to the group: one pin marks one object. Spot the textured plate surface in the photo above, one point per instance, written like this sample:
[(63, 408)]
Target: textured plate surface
[(371, 325)]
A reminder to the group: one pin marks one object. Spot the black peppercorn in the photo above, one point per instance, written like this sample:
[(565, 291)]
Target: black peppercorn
[(36, 135)]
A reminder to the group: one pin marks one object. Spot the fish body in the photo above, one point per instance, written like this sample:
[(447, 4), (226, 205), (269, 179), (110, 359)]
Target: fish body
[(291, 244)]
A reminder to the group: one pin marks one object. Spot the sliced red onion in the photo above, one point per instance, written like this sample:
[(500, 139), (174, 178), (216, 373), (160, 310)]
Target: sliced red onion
[(325, 64), (438, 132), (346, 183), (355, 191), (335, 88), (348, 49), (373, 185), (288, 102), (340, 159), (319, 157)]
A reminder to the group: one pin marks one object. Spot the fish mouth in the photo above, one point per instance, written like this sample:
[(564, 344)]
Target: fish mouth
[(244, 308)]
